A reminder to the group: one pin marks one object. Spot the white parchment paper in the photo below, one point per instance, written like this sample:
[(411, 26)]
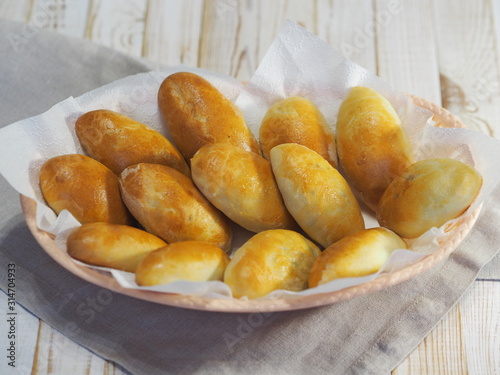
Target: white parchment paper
[(297, 63)]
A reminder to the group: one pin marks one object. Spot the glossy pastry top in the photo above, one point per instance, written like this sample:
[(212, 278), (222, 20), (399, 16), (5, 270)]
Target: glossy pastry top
[(169, 205), (428, 194), (186, 260), (241, 184), (315, 193), (271, 260), (360, 254), (115, 246), (297, 120), (196, 113), (372, 146), (84, 187), (117, 141)]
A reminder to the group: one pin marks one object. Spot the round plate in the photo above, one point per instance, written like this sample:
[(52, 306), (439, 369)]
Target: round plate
[(458, 232)]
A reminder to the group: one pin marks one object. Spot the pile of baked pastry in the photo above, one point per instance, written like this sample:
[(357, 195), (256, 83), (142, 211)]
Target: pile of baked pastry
[(166, 210)]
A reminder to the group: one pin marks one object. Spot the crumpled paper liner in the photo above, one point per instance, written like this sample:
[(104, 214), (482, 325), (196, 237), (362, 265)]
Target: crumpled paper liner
[(297, 64)]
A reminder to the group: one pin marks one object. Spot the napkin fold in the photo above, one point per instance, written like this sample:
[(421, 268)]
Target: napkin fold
[(41, 68)]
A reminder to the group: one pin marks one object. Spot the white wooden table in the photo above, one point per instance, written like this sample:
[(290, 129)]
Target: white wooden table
[(446, 51)]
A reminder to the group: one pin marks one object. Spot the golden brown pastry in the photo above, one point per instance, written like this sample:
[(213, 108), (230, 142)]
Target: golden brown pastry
[(196, 113), (84, 187), (169, 205), (372, 146), (428, 194), (271, 260), (187, 260), (117, 141), (359, 254), (315, 193), (297, 120), (241, 184), (111, 245)]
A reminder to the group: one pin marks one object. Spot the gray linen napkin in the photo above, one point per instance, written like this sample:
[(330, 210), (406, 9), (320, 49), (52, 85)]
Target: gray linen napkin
[(366, 335)]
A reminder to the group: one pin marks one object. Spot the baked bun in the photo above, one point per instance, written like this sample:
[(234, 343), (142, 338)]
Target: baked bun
[(297, 120), (117, 141), (271, 260), (372, 146), (187, 260), (315, 193), (84, 187), (360, 254), (428, 194), (111, 245), (167, 204), (196, 113), (241, 184)]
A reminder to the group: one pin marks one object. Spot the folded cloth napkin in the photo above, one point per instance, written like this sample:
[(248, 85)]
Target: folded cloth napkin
[(368, 334)]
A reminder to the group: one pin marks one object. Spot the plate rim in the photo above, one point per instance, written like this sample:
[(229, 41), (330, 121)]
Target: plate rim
[(442, 117)]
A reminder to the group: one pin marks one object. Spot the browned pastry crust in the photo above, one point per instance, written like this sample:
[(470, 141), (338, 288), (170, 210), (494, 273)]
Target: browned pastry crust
[(117, 141), (428, 194), (84, 187), (297, 120), (169, 205), (187, 260), (111, 245), (315, 193), (271, 260), (196, 113), (359, 254), (241, 184), (372, 146)]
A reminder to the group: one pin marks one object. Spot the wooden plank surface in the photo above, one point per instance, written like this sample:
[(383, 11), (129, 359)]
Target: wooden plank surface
[(469, 65), (57, 354), (406, 51), (25, 331), (430, 358), (63, 16), (234, 40), (118, 24), (466, 341), (346, 25), (173, 31), (436, 39), (481, 333), (15, 10)]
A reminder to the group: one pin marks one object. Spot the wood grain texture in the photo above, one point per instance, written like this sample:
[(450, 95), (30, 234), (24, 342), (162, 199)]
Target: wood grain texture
[(347, 25), (237, 34), (495, 16), (26, 332), (173, 31), (16, 10), (443, 50), (468, 59), (220, 56), (117, 24), (480, 330), (57, 354), (64, 16), (406, 53), (466, 341), (441, 352)]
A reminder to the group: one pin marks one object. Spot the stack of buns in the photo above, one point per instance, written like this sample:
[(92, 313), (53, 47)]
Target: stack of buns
[(166, 209)]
